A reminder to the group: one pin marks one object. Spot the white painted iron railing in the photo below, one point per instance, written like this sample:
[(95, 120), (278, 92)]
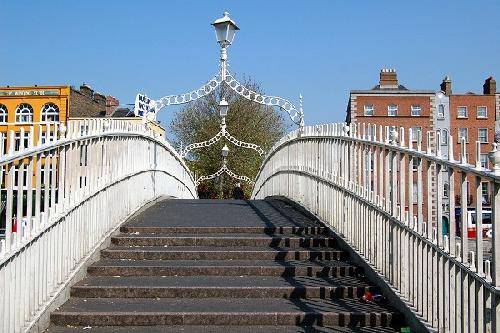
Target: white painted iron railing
[(357, 180), (62, 198)]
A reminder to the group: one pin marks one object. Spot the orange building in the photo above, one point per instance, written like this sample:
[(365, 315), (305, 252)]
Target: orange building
[(26, 107)]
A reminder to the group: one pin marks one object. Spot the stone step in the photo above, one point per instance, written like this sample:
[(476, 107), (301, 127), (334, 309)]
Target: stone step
[(222, 239), (275, 229), (121, 267), (221, 253), (221, 287), (222, 311), (219, 329)]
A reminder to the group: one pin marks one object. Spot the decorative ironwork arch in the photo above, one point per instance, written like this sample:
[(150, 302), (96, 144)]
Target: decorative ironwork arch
[(191, 96), (226, 170), (223, 133), (295, 114)]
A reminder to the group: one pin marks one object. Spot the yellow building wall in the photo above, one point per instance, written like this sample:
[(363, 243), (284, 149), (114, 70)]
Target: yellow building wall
[(37, 97)]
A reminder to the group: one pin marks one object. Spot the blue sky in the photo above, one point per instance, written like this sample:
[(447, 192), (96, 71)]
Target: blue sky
[(321, 49)]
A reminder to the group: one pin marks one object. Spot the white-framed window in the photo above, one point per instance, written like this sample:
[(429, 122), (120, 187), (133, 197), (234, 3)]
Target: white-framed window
[(440, 111), (485, 192), (482, 135), (84, 130), (48, 174), (416, 162), (18, 139), (416, 110), (484, 161), (370, 132), (446, 190), (4, 114), (463, 133), (416, 133), (50, 113), (393, 130), (444, 137), (17, 173), (415, 193), (392, 110), (24, 113), (482, 112), (462, 112), (46, 136), (369, 109)]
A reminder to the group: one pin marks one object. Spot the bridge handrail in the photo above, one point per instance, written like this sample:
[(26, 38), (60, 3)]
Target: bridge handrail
[(358, 182), (74, 190)]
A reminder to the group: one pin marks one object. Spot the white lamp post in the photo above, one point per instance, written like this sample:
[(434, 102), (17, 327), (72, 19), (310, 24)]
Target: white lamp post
[(225, 152), (225, 29), (223, 107)]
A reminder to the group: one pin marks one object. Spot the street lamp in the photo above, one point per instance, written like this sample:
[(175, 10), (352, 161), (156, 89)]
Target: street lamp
[(225, 151), (225, 31), (225, 28), (223, 107)]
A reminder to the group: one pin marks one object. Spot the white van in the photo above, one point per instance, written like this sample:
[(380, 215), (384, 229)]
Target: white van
[(471, 225)]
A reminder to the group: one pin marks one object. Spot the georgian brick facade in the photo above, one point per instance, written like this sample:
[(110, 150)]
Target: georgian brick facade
[(390, 104)]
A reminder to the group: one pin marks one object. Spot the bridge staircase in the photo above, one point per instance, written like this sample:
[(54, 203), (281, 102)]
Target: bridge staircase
[(223, 266)]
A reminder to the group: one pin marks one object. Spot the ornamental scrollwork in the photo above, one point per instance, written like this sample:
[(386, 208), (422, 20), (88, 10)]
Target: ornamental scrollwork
[(243, 144), (226, 170), (222, 133), (204, 90), (202, 144), (296, 115)]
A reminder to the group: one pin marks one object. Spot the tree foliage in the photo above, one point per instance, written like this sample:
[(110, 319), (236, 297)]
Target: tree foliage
[(246, 120)]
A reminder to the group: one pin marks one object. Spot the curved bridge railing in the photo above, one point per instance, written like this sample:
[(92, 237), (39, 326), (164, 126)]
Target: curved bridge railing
[(63, 197), (415, 237)]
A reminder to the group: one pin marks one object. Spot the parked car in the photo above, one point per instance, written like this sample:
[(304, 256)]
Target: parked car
[(471, 225)]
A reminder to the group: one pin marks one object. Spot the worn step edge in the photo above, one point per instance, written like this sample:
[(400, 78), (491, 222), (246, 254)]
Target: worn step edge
[(317, 230), (223, 270), (223, 241), (327, 292), (372, 319), (138, 253), (218, 329)]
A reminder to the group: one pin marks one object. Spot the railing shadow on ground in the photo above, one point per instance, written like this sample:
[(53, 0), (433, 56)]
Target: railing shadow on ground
[(268, 211), (368, 183)]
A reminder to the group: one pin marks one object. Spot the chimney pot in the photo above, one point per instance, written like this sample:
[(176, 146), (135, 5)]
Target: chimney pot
[(446, 86), (87, 90), (490, 86), (388, 78)]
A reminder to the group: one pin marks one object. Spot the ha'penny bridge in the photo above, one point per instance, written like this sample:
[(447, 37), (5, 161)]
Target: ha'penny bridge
[(104, 232)]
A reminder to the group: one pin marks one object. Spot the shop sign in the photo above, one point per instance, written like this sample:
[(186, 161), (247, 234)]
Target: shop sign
[(30, 93)]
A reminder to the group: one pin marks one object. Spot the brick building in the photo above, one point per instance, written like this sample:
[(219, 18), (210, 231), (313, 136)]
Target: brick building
[(85, 103), (469, 115), (473, 117), (391, 104)]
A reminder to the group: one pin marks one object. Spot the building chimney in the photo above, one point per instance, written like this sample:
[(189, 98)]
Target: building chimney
[(446, 85), (87, 90), (112, 104), (388, 78), (100, 99), (490, 86)]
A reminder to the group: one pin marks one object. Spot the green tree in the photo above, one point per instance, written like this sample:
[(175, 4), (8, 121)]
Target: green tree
[(246, 120)]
